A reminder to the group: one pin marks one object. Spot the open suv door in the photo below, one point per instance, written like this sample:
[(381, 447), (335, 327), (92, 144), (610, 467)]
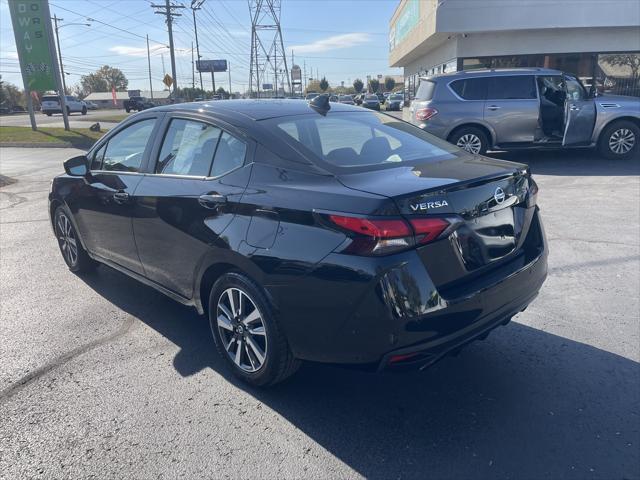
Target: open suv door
[(579, 114)]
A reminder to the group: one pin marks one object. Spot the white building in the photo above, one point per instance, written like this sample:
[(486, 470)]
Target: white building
[(596, 40), (105, 99)]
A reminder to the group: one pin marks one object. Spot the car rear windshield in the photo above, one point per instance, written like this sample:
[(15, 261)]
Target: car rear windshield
[(364, 140), (371, 97), (425, 90), (396, 97), (50, 98)]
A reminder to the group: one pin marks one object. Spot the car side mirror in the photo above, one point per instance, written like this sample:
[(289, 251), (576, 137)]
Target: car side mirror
[(77, 166)]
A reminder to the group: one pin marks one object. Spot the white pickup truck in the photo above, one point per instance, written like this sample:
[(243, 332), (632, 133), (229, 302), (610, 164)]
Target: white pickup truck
[(51, 105)]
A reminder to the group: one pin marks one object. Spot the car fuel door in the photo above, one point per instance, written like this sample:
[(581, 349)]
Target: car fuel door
[(579, 114)]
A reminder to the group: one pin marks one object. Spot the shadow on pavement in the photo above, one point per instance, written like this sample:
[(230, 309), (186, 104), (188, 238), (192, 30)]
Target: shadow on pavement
[(522, 404), (583, 162)]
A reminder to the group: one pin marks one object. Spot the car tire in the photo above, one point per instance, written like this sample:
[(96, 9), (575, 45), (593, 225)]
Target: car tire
[(73, 253), (84, 110), (471, 139), (619, 140), (48, 114), (127, 110), (68, 112), (264, 356)]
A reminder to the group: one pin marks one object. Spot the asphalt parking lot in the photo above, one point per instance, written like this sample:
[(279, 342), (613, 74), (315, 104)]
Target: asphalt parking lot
[(103, 377)]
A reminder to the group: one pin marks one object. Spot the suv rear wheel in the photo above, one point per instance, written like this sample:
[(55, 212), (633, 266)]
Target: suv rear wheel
[(246, 332), (619, 140), (471, 139)]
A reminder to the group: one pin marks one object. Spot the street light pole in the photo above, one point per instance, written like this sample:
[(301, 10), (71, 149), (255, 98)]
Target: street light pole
[(55, 19)]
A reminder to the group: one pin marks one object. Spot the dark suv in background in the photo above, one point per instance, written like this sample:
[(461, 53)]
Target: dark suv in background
[(524, 108)]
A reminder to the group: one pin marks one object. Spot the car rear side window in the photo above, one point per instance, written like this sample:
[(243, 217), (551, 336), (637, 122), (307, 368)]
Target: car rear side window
[(471, 88), (425, 90), (188, 148), (229, 155), (518, 87), (124, 151)]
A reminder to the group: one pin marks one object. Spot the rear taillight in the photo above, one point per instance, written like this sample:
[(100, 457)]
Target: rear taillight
[(428, 229), (382, 236), (424, 114)]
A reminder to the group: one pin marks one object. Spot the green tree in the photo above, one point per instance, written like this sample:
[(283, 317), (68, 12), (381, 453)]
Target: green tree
[(222, 92), (324, 84), (313, 86), (358, 85), (389, 84), (10, 95), (93, 83), (374, 85), (103, 80)]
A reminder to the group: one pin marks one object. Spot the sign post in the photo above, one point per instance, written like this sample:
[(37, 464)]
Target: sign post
[(32, 31)]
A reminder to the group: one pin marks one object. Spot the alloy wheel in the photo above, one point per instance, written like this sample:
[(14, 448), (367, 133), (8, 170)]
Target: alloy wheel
[(67, 239), (470, 142), (241, 330), (622, 141)]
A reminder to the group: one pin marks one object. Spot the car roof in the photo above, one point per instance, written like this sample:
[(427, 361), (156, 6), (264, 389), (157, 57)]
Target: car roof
[(257, 109), (494, 72)]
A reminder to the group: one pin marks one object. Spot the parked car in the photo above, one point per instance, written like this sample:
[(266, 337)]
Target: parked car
[(137, 103), (306, 231), (525, 108), (333, 98), (371, 101), (311, 95), (395, 102), (51, 104), (346, 99), (91, 105)]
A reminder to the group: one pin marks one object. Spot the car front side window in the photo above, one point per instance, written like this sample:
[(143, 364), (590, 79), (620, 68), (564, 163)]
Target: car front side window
[(124, 151), (575, 91)]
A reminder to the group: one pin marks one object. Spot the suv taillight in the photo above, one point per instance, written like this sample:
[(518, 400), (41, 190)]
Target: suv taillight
[(424, 114), (381, 236)]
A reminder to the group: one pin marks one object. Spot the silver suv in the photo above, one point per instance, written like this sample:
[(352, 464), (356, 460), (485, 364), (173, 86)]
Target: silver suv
[(524, 108)]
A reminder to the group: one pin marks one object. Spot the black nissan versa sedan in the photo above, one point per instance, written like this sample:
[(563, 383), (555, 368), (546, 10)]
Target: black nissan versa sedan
[(307, 230)]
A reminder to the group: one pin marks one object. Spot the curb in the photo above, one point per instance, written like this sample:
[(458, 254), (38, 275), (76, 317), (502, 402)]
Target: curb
[(36, 145)]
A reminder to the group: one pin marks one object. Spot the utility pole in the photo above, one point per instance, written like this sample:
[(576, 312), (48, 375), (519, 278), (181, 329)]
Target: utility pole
[(64, 83), (266, 57), (168, 11), (149, 64), (304, 71), (193, 70), (229, 69), (195, 5), (213, 81)]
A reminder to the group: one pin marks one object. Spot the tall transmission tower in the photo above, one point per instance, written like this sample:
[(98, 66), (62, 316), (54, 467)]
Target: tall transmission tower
[(268, 58)]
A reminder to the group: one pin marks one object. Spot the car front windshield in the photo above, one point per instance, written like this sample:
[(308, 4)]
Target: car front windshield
[(371, 97), (359, 139), (396, 97)]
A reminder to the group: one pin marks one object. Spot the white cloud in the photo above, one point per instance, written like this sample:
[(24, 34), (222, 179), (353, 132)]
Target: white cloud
[(142, 51), (333, 43)]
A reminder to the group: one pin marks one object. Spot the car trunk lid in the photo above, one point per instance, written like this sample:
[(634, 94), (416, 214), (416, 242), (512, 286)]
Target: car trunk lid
[(484, 199)]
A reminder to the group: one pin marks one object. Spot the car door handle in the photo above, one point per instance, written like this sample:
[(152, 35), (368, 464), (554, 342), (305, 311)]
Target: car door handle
[(493, 107), (212, 200), (121, 197), (574, 108)]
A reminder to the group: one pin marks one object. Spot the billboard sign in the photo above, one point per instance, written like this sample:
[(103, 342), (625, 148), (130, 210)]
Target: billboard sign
[(296, 75), (407, 20), (211, 65), (29, 19), (267, 86)]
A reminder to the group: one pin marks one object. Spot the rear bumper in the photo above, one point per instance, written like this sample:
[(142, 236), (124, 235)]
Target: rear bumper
[(363, 310)]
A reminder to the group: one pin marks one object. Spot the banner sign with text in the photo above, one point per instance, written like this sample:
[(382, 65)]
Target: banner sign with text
[(29, 18)]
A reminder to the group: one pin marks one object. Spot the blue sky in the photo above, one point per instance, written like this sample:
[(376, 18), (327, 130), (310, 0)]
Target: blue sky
[(341, 39)]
